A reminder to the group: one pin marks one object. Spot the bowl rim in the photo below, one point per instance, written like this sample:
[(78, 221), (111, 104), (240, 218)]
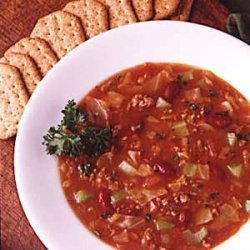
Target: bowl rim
[(70, 56)]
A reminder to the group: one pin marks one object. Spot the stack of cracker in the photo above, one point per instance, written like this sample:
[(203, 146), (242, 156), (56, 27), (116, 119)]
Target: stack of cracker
[(25, 63)]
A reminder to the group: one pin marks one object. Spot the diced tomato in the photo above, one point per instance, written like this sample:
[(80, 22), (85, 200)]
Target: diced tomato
[(165, 169), (184, 217), (171, 91), (219, 121), (152, 180), (104, 199)]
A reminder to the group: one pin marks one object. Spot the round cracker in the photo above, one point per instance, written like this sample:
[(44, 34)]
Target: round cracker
[(93, 15), (165, 8), (63, 31), (144, 9), (13, 98), (27, 68), (120, 12), (38, 49)]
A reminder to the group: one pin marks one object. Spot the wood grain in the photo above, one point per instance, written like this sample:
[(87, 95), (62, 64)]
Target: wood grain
[(17, 18)]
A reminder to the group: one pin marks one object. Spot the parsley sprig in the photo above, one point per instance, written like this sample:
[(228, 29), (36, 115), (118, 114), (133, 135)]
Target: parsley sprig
[(68, 139)]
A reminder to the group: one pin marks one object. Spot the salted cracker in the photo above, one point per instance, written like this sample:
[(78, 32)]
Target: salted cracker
[(27, 68), (63, 31), (38, 49), (93, 15), (13, 98), (184, 10), (144, 9), (165, 8), (120, 12)]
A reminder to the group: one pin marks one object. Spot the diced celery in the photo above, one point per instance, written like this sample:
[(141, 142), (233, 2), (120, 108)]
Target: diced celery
[(231, 138), (82, 196), (127, 168), (163, 223), (118, 195), (190, 170), (145, 170), (235, 169), (180, 129), (186, 76), (247, 205), (197, 237), (202, 216)]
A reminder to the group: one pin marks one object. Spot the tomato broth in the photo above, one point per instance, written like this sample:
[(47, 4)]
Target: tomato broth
[(177, 172)]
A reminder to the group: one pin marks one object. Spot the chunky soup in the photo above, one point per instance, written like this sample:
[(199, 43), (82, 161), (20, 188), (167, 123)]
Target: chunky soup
[(157, 157)]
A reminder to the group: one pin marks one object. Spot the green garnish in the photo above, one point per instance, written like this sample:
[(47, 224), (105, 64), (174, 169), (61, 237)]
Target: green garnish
[(212, 93), (73, 116), (148, 216), (194, 107), (94, 141), (85, 169), (118, 76), (106, 216), (213, 195), (74, 137), (57, 142)]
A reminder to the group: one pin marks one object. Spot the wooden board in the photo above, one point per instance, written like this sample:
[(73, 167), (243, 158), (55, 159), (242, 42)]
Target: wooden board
[(17, 18)]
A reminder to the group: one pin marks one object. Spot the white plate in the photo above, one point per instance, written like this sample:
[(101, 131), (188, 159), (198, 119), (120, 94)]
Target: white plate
[(36, 173)]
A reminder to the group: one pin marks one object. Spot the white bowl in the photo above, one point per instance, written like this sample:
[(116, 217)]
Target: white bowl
[(36, 173)]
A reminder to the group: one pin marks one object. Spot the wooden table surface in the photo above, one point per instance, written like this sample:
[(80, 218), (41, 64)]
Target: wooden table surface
[(17, 17)]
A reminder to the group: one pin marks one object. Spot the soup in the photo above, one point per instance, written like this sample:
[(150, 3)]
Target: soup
[(158, 157)]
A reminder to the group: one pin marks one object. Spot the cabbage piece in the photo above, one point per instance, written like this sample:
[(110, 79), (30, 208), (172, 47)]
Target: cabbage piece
[(176, 186), (180, 129), (126, 221), (235, 170), (98, 111), (115, 99), (228, 215), (105, 160), (197, 237), (205, 126), (145, 170), (200, 171), (121, 237), (193, 95), (205, 82), (226, 106), (143, 196), (152, 119), (186, 76), (127, 168), (246, 158), (162, 103), (165, 239), (190, 169), (157, 82), (203, 171), (202, 216), (118, 195), (235, 203), (163, 224), (134, 156)]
